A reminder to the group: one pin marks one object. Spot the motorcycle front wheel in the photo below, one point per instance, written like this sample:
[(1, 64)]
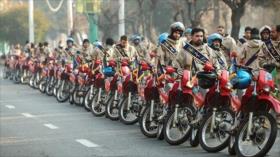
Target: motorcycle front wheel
[(262, 137)]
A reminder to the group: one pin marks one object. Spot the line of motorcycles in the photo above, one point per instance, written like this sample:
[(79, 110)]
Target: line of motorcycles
[(173, 105)]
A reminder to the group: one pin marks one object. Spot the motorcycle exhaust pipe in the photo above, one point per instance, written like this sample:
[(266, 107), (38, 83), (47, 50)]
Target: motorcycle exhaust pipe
[(249, 126), (152, 110), (213, 120), (175, 121), (129, 100)]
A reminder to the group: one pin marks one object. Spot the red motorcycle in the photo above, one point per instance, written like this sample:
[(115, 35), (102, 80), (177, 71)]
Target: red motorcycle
[(43, 79), (180, 100), (73, 81), (153, 109), (15, 68), (24, 70), (131, 86), (130, 108), (257, 129), (220, 104), (113, 87), (51, 81), (88, 81), (57, 69), (35, 69), (99, 97), (64, 84), (82, 84), (174, 93)]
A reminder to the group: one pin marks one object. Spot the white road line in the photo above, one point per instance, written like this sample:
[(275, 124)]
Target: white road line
[(28, 115), (51, 126), (87, 143), (10, 106)]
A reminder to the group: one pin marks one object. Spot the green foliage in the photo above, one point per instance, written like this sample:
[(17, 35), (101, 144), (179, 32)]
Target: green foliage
[(42, 25), (14, 25)]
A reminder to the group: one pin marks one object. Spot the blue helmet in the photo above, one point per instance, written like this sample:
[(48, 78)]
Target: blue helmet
[(70, 39), (242, 79), (188, 31), (162, 37), (98, 44), (136, 38), (109, 71), (212, 37)]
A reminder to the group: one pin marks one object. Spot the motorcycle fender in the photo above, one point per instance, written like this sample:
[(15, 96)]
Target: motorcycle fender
[(198, 99), (120, 88), (235, 103), (72, 78), (275, 104), (107, 85), (188, 91)]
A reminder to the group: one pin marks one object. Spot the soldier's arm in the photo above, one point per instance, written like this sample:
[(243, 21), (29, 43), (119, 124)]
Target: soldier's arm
[(262, 56), (234, 45), (133, 52), (242, 55), (214, 59), (184, 60)]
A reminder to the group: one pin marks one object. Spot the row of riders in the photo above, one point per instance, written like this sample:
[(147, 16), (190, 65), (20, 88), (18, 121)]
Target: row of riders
[(212, 90)]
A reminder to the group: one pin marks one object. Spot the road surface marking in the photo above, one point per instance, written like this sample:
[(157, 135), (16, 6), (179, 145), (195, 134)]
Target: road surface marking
[(51, 126), (28, 115), (87, 143), (10, 106)]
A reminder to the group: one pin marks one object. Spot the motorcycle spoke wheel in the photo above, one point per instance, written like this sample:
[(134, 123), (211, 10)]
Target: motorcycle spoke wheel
[(262, 137)]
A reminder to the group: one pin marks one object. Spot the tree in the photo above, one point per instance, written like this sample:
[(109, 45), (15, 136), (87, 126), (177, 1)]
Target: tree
[(14, 25), (142, 19), (237, 8), (108, 19)]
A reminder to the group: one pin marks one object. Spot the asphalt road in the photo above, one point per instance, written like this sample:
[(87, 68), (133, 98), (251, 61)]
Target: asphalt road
[(35, 125)]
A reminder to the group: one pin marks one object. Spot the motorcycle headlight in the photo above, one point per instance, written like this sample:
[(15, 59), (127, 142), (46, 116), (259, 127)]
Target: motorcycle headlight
[(229, 85), (266, 89), (76, 71), (189, 84)]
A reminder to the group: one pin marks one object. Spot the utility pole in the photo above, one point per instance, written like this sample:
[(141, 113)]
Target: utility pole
[(121, 18), (31, 21), (69, 16)]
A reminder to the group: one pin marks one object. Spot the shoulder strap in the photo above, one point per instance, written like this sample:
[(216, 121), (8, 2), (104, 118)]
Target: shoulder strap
[(121, 51), (242, 41), (220, 60), (195, 53), (252, 58), (272, 51)]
